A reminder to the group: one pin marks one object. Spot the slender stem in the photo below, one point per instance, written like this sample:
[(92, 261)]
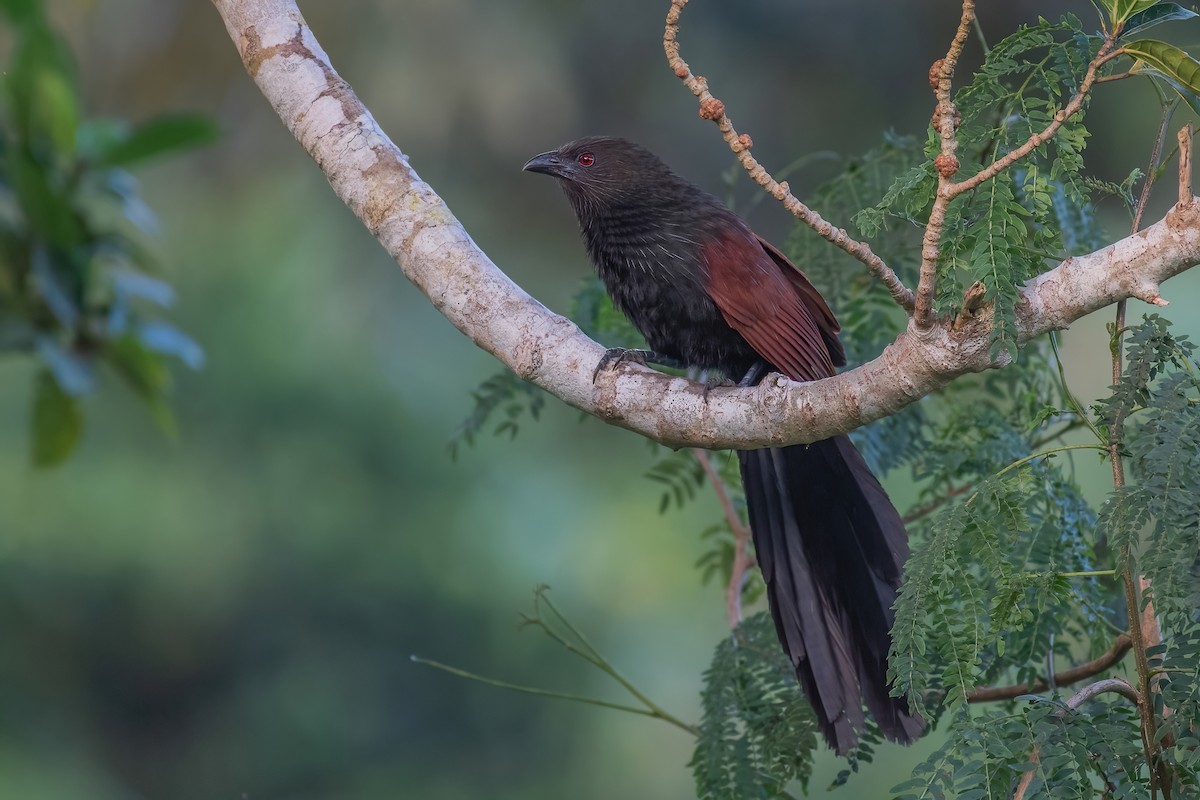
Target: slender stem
[(605, 666), (713, 109), (1050, 452), (1095, 573), (1110, 658), (1074, 424), (1073, 106), (980, 35), (947, 163), (933, 505), (741, 540), (591, 701), (1076, 406), (1142, 627), (945, 121)]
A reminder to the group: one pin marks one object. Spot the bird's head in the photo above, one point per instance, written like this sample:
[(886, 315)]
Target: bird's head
[(600, 168)]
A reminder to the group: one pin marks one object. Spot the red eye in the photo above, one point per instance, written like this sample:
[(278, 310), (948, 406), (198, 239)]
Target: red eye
[(586, 159)]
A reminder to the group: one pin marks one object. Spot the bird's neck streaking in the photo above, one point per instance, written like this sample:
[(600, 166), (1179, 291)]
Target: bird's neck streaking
[(653, 233)]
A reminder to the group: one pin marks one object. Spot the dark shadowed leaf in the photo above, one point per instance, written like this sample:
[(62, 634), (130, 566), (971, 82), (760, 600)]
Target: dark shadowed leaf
[(158, 137), (57, 422), (1163, 12)]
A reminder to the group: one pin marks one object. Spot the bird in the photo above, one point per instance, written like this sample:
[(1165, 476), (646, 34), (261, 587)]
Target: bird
[(706, 292)]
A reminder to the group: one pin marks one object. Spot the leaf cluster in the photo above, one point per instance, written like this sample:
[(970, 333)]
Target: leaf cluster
[(76, 283), (757, 733)]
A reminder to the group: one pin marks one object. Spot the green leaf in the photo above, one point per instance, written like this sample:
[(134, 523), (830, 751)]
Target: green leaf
[(46, 210), (1122, 10), (1163, 12), (57, 422), (22, 11), (41, 85), (1101, 10), (148, 376), (1172, 62), (157, 137)]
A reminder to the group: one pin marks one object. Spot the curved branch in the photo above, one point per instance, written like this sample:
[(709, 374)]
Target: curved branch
[(1110, 658), (373, 177)]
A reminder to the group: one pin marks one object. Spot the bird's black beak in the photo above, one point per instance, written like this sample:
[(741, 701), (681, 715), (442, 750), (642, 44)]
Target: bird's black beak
[(546, 163)]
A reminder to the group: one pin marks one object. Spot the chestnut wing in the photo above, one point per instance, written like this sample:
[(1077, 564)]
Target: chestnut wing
[(772, 305)]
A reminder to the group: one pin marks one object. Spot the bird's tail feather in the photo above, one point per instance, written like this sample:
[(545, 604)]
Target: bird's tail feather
[(831, 547)]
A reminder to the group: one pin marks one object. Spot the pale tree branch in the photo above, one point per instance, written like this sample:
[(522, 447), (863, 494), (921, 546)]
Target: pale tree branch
[(373, 177)]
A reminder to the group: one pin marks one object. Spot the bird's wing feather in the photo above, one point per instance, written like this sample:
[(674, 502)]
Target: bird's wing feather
[(774, 307), (826, 322)]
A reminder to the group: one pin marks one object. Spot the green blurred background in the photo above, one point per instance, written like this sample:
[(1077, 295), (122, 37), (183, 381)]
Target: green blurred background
[(232, 615)]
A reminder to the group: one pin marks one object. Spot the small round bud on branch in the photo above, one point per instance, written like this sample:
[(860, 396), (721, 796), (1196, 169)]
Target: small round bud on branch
[(746, 141), (946, 165), (712, 109), (935, 73)]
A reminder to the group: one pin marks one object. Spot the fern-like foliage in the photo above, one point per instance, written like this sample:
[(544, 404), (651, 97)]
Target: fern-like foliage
[(757, 734), (503, 394), (1002, 233)]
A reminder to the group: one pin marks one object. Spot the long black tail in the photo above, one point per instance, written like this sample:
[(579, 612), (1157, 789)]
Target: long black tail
[(831, 547)]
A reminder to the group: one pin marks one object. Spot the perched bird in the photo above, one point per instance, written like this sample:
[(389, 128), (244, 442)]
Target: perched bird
[(705, 291)]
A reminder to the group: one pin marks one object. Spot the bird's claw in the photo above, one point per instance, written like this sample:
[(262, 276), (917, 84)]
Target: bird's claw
[(711, 382), (615, 356)]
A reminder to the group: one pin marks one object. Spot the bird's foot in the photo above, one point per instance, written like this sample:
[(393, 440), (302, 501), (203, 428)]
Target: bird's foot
[(615, 356), (711, 382)]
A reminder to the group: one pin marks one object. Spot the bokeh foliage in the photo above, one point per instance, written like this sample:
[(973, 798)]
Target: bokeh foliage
[(254, 607), (78, 285)]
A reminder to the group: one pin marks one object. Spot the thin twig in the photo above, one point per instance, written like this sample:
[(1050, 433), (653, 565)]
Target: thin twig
[(945, 121), (1142, 623), (1109, 659), (933, 505), (742, 562), (591, 701), (1105, 54), (603, 664), (1185, 165), (713, 109), (1115, 685)]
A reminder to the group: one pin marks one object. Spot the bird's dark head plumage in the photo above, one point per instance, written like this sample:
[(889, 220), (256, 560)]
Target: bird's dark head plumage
[(599, 169)]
